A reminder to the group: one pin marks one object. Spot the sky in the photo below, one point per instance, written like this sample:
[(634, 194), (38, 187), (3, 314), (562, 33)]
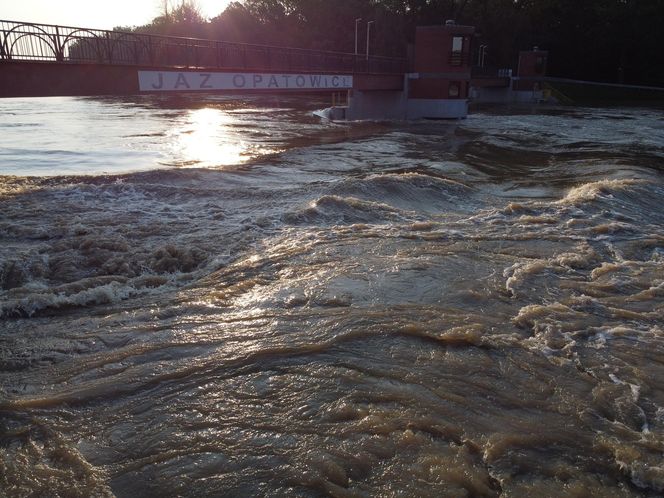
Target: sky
[(94, 13)]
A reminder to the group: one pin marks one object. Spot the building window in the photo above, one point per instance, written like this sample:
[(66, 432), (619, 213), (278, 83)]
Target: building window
[(457, 57), (454, 90)]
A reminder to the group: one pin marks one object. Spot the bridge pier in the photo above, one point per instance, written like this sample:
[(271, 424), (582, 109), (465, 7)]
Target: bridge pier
[(381, 104)]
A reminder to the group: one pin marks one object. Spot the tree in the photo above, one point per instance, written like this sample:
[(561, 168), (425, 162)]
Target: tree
[(182, 19), (605, 40)]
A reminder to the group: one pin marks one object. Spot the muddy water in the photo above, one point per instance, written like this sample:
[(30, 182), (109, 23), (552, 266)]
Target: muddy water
[(276, 306)]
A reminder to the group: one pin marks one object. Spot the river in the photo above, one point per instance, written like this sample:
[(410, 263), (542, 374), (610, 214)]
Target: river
[(206, 296)]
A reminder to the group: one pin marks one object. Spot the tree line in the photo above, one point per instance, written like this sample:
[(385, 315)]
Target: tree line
[(600, 40)]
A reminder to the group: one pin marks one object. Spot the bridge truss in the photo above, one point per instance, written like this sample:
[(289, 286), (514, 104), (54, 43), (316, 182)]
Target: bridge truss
[(20, 41)]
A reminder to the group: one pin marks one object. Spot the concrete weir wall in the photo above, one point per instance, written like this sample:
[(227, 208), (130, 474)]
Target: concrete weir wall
[(40, 79), (377, 105), (437, 108), (506, 95), (396, 105), (29, 79)]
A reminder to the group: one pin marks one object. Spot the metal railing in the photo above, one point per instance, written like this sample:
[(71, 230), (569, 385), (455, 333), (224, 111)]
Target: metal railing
[(66, 44)]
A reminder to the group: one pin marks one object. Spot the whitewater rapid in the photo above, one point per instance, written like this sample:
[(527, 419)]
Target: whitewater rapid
[(466, 308)]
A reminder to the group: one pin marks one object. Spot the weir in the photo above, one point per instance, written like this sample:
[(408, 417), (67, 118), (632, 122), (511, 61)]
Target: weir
[(39, 60)]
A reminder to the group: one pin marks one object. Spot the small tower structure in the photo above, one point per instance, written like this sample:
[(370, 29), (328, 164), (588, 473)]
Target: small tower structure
[(531, 70), (437, 86), (440, 84)]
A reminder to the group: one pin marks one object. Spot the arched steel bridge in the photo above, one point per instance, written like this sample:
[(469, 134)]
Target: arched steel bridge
[(23, 41)]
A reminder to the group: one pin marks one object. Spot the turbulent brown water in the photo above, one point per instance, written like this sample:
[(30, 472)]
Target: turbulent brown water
[(279, 306)]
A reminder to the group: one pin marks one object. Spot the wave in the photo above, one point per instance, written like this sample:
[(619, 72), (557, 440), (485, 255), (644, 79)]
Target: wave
[(332, 209), (411, 191), (41, 460), (81, 241), (623, 204), (36, 300)]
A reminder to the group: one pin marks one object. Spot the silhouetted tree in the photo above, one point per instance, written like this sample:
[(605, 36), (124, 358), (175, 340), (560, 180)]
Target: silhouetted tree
[(606, 40)]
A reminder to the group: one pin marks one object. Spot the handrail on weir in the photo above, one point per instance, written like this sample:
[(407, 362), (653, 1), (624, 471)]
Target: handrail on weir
[(26, 41)]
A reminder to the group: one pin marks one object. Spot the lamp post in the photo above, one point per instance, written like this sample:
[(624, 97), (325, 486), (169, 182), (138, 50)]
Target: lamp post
[(368, 34), (481, 55), (357, 23)]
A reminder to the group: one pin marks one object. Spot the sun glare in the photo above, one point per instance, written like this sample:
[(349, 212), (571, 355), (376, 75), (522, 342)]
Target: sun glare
[(208, 8), (212, 8), (96, 15), (207, 139)]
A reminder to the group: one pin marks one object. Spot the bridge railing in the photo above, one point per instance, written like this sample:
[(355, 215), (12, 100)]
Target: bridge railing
[(66, 44)]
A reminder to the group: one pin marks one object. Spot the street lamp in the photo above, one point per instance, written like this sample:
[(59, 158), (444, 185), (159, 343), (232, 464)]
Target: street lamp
[(481, 55), (368, 33), (357, 22)]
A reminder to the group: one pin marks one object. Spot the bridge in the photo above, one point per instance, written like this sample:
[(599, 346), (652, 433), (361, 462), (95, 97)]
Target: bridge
[(44, 60), (435, 82)]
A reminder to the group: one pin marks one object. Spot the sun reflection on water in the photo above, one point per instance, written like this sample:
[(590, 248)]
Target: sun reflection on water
[(211, 137)]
